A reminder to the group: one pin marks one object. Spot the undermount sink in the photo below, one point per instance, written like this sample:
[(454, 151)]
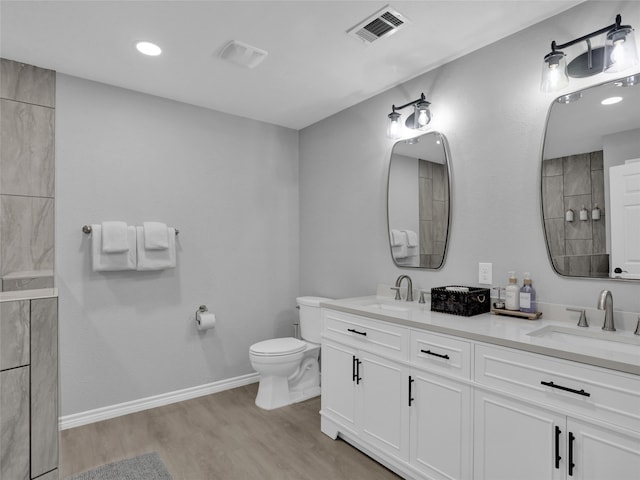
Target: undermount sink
[(385, 308), (588, 338)]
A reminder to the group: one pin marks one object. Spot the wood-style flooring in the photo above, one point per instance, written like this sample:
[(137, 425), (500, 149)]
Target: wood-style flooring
[(222, 436)]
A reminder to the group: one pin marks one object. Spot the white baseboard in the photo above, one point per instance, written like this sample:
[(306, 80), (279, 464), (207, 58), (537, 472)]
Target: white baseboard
[(112, 411)]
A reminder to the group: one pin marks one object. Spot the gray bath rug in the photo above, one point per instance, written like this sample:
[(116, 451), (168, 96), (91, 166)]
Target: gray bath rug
[(144, 467)]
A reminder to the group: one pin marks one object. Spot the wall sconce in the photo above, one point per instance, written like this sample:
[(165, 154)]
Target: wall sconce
[(618, 54), (418, 120)]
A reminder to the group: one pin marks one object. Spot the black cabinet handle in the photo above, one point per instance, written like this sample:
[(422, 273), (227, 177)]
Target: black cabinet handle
[(353, 369), (356, 331), (571, 464), (358, 378), (411, 399), (558, 457), (429, 352), (566, 389)]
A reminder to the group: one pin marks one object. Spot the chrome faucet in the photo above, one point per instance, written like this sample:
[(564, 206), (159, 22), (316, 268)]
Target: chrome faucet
[(409, 297), (605, 302)]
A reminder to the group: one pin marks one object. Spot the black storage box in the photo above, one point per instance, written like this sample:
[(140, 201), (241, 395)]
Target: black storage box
[(457, 302)]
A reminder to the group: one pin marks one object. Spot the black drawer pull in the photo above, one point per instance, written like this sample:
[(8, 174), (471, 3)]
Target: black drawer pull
[(354, 375), (558, 457), (411, 399), (571, 465), (566, 389), (356, 331), (429, 352)]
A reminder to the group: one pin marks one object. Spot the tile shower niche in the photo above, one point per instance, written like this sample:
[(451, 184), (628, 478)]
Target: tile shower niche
[(27, 123)]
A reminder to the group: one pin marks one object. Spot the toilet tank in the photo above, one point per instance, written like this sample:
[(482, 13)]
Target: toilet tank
[(310, 321)]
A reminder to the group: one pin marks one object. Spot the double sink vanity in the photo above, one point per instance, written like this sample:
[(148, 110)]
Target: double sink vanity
[(438, 396)]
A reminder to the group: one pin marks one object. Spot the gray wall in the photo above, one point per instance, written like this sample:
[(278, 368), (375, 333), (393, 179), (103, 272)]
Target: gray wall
[(229, 184), (489, 106)]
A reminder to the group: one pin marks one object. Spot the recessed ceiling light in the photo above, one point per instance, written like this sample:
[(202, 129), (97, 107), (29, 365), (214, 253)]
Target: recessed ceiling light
[(611, 100), (148, 48)]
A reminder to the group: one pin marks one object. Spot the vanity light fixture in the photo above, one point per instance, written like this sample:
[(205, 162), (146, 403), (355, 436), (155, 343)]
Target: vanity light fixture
[(571, 97), (618, 54), (418, 120), (629, 81)]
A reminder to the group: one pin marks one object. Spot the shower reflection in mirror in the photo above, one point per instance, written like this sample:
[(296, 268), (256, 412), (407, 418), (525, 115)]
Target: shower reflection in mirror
[(418, 201), (591, 166)]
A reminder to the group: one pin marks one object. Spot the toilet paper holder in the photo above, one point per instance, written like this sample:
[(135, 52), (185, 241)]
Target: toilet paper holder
[(201, 309)]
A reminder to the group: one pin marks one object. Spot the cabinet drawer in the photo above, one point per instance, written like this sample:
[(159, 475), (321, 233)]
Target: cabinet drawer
[(374, 336), (14, 334), (582, 389), (441, 353)]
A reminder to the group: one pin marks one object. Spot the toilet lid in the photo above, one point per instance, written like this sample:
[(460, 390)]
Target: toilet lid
[(278, 346)]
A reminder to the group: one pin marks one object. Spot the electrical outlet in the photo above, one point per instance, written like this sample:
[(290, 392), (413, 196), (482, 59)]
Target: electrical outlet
[(485, 273)]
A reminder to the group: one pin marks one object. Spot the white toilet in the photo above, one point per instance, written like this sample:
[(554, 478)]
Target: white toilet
[(288, 367)]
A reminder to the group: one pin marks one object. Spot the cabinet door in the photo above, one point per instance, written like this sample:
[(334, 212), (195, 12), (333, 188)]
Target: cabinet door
[(14, 424), (599, 453), (385, 409), (339, 385), (44, 385), (515, 440), (441, 431)]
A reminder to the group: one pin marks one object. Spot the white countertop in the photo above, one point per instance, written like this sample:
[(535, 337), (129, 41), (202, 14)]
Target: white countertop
[(28, 294), (496, 329)]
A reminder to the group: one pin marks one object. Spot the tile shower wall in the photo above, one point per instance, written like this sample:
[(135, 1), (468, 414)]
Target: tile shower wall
[(578, 248), (27, 122), (434, 198)]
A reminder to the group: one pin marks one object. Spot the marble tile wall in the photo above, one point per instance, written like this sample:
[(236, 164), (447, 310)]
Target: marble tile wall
[(434, 208), (27, 157), (577, 248)]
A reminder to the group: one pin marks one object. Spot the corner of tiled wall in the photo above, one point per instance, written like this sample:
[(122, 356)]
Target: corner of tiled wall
[(27, 123)]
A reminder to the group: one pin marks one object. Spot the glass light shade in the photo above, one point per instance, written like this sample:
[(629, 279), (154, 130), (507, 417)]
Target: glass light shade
[(620, 51), (394, 126), (421, 115), (554, 72)]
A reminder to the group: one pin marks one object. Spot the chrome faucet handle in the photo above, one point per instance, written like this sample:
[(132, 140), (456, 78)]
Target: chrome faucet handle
[(397, 289), (583, 316), (422, 292), (637, 332)]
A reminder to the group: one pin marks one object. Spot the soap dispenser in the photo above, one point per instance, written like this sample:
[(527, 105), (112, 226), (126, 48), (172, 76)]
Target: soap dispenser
[(527, 295), (512, 295)]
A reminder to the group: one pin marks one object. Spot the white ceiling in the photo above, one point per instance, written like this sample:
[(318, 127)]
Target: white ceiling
[(313, 70)]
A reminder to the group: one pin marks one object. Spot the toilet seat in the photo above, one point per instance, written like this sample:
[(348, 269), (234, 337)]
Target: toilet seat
[(278, 347)]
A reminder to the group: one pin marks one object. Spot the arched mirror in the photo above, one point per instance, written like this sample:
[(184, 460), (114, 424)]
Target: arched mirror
[(418, 201), (591, 181)]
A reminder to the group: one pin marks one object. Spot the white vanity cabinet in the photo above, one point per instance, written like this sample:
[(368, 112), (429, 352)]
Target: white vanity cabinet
[(440, 414), (380, 392), (365, 393), (561, 428)]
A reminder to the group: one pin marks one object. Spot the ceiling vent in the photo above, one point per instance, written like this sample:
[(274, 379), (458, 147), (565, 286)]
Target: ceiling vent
[(242, 54), (381, 24)]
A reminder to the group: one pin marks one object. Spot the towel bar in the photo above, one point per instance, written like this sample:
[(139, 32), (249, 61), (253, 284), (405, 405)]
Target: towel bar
[(87, 229)]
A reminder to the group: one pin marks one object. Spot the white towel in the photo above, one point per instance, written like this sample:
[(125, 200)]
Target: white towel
[(114, 237), (156, 236), (412, 238), (103, 262), (398, 238), (156, 259)]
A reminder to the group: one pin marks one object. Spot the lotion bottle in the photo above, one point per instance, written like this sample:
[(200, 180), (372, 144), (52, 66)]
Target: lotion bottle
[(527, 295), (512, 295)]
